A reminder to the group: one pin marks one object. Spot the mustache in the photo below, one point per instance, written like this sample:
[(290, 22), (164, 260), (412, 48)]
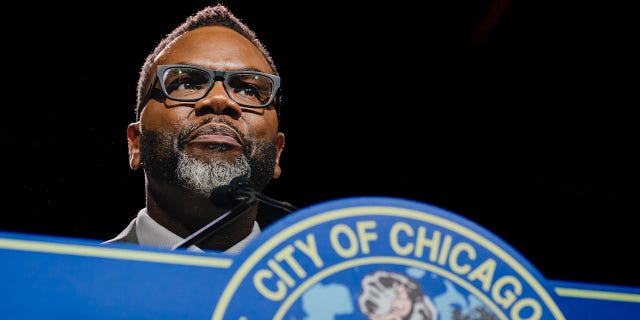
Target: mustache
[(186, 132)]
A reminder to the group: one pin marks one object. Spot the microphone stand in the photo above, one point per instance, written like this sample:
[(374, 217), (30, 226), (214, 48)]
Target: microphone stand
[(275, 203), (217, 224), (240, 190)]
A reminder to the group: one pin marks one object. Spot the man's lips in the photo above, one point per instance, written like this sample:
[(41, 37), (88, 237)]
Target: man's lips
[(216, 133)]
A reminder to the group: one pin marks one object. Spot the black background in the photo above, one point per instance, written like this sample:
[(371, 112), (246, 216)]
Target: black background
[(526, 126)]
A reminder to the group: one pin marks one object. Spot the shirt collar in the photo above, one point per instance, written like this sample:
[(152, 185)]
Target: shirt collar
[(151, 233)]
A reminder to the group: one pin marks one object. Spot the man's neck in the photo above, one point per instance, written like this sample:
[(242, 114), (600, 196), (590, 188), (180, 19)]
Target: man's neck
[(186, 214)]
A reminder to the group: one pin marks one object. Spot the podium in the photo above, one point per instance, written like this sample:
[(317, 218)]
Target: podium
[(352, 258)]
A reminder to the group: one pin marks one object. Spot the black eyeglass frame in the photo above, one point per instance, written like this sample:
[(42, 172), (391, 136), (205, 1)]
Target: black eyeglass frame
[(215, 75)]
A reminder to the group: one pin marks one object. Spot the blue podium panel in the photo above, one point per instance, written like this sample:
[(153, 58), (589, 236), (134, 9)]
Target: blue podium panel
[(47, 278), (353, 258)]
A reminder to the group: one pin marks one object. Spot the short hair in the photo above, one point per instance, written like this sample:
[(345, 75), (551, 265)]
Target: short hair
[(217, 15)]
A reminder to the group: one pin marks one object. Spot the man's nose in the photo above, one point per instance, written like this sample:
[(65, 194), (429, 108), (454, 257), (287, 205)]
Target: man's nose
[(217, 101)]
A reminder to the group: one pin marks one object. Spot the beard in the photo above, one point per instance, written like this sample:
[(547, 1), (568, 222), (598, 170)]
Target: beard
[(202, 177), (164, 158)]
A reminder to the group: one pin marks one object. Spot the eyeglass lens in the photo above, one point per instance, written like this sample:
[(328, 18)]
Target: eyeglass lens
[(190, 84)]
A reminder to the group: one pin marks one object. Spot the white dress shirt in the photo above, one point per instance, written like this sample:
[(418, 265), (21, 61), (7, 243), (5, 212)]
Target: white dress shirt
[(146, 231)]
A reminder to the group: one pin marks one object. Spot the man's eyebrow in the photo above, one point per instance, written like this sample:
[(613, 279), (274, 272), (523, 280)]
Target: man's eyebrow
[(244, 68)]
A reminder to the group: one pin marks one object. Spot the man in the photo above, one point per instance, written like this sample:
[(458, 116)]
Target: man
[(207, 112)]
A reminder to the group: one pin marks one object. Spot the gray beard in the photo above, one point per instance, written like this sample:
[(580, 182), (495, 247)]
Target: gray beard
[(164, 158), (202, 177)]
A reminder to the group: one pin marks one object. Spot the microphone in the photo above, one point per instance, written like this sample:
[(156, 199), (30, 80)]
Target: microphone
[(239, 195), (241, 188)]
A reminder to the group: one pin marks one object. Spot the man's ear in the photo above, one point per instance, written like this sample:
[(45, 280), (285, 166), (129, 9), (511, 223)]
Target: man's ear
[(279, 146), (133, 142)]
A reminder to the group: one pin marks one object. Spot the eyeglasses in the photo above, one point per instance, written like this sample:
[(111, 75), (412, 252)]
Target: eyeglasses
[(250, 89)]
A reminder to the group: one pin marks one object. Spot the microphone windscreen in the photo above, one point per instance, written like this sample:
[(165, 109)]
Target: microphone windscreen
[(227, 196), (241, 183), (222, 197)]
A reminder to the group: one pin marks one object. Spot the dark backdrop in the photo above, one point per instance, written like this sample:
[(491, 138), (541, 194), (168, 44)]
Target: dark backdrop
[(516, 115)]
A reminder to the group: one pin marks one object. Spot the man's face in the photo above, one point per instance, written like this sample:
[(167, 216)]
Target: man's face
[(203, 144)]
